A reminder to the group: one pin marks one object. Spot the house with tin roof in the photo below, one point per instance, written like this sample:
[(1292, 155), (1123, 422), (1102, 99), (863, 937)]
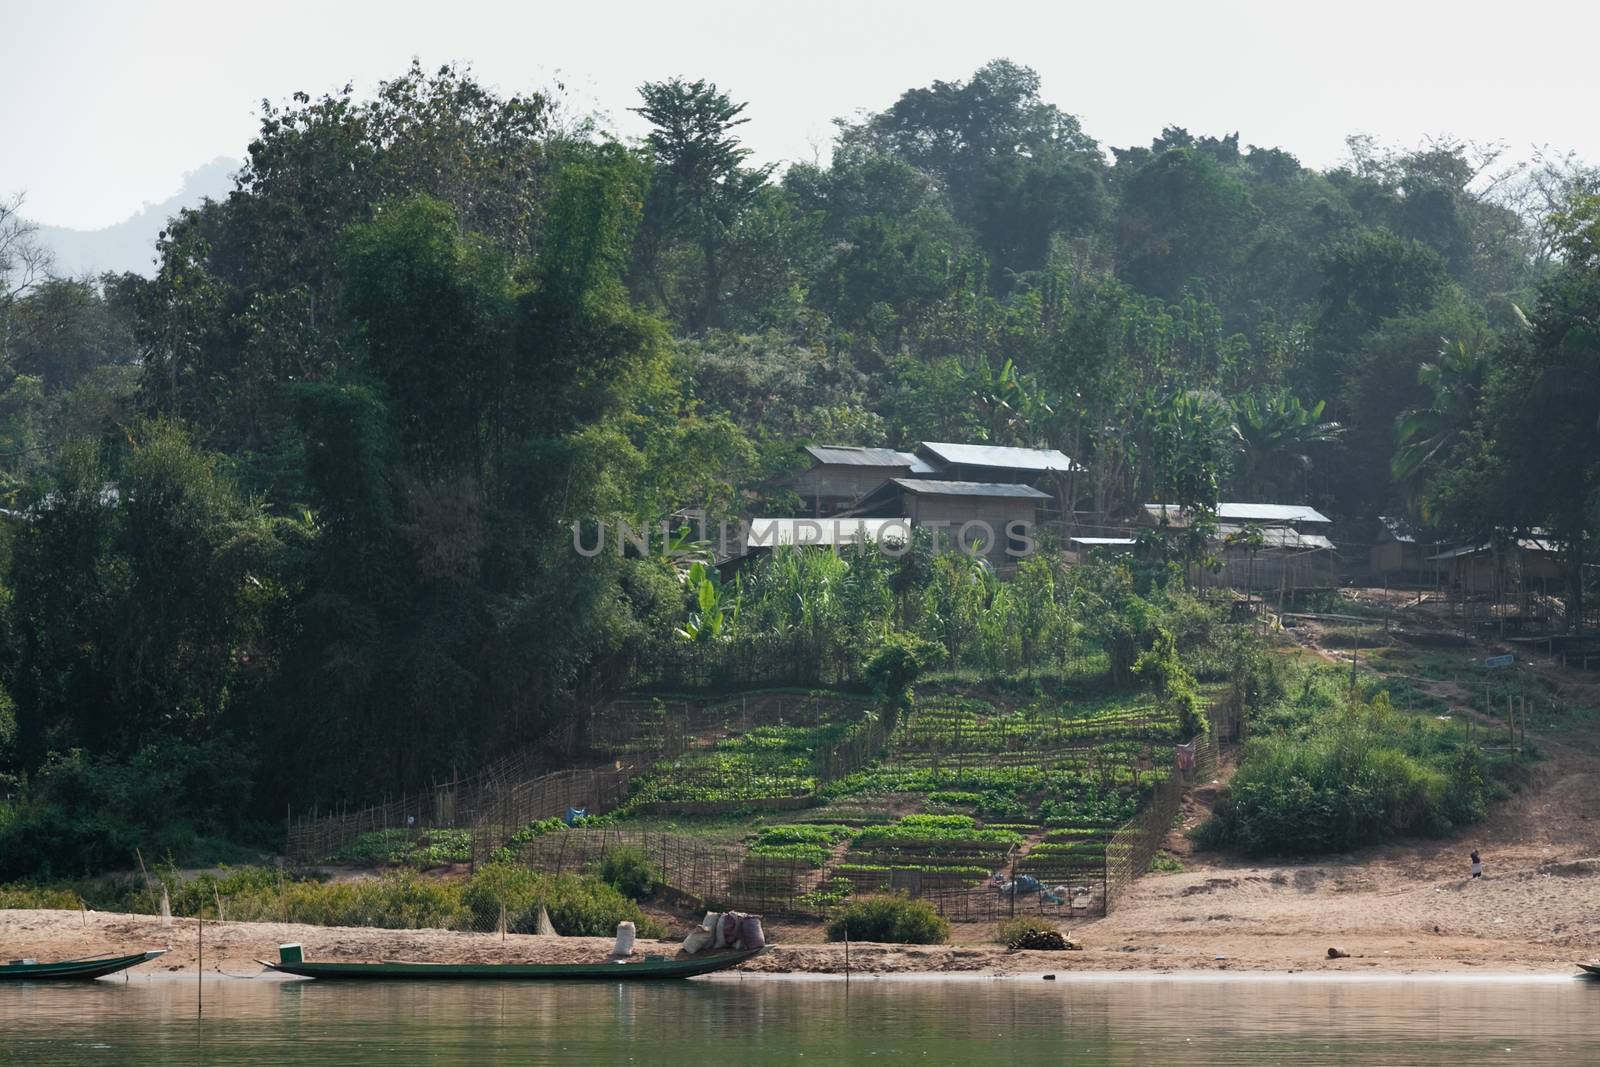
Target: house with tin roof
[(995, 519), (840, 475)]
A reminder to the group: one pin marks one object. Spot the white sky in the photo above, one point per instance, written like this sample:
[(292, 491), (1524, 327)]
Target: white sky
[(105, 105)]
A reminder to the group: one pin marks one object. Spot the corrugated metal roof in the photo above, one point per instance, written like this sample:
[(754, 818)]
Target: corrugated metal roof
[(768, 533), (852, 456), (1527, 544), (930, 487), (1277, 537), (917, 463), (1243, 513), (1270, 513), (1000, 457)]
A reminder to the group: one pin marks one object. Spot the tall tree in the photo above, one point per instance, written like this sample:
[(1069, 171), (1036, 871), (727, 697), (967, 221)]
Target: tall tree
[(700, 194)]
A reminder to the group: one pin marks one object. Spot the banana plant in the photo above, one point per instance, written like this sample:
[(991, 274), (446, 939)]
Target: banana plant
[(716, 605)]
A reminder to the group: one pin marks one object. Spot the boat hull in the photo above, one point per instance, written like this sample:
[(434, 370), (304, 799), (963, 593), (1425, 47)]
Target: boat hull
[(1591, 970), (73, 969), (687, 967)]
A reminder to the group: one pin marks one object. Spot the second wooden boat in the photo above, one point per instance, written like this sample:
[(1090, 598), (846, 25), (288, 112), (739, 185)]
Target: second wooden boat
[(98, 967), (1590, 969), (650, 967)]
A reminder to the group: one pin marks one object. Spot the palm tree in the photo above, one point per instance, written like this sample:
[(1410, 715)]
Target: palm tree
[(1428, 435), (1277, 435)]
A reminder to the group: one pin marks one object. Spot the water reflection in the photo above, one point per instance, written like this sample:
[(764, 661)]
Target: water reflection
[(753, 1021)]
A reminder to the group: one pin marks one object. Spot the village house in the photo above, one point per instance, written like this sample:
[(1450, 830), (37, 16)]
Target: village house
[(840, 475), (995, 519), (1261, 547), (1527, 563), (1397, 556)]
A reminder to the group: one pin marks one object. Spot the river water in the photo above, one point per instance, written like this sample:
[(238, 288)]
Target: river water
[(733, 1020)]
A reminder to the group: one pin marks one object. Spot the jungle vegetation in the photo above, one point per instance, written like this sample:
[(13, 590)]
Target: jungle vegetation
[(287, 522)]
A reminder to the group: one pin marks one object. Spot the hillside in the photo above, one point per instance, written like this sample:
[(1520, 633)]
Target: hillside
[(130, 245)]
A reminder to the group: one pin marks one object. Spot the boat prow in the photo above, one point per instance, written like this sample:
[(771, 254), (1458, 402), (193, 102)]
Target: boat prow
[(650, 967), (1590, 970), (97, 967)]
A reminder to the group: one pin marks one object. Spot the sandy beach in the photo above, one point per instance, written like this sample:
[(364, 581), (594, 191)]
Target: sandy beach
[(1532, 919)]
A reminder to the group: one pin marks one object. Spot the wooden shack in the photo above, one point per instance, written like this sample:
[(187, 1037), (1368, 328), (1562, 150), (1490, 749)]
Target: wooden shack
[(1397, 555), (1526, 563)]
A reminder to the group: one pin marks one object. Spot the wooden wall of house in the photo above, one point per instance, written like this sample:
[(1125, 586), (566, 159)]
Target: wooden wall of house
[(1400, 559), (1479, 573), (827, 488), (998, 512)]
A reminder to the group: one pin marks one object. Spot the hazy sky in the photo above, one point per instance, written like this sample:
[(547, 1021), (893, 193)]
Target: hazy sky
[(106, 105)]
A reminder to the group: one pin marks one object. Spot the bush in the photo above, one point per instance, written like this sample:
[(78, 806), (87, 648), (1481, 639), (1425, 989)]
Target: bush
[(629, 871), (1342, 779), (891, 919), (37, 896), (394, 902), (1031, 934), (84, 814), (579, 905)]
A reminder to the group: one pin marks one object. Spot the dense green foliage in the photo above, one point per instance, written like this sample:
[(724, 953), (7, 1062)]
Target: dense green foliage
[(629, 871), (292, 522), (1328, 772), (896, 920), (578, 905)]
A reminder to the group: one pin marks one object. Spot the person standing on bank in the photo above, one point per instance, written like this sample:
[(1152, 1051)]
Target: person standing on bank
[(1477, 864)]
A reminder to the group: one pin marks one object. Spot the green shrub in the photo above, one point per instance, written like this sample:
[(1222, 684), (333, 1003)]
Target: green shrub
[(1346, 778), (394, 902), (1164, 863), (892, 919), (629, 871), (579, 905), (21, 895), (1010, 929), (83, 814)]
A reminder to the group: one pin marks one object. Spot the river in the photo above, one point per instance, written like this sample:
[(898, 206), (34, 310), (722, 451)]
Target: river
[(1201, 1020)]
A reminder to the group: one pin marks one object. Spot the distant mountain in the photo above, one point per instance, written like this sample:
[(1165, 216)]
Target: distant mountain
[(130, 245)]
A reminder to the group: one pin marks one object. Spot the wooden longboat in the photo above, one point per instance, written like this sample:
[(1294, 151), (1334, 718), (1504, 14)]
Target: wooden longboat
[(98, 967), (650, 967), (1590, 970)]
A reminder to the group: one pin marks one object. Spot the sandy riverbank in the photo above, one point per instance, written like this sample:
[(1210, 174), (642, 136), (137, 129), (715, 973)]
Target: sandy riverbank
[(1177, 928)]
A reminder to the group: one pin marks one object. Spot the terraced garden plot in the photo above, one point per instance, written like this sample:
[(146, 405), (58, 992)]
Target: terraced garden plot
[(673, 722), (401, 846), (766, 763), (961, 724)]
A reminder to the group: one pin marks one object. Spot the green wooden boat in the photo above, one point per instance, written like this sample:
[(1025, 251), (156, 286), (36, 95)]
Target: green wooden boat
[(98, 967), (650, 967)]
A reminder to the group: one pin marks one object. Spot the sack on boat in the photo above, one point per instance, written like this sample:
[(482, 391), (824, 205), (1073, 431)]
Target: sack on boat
[(703, 936), (625, 936), (699, 940), (750, 933), (728, 931)]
